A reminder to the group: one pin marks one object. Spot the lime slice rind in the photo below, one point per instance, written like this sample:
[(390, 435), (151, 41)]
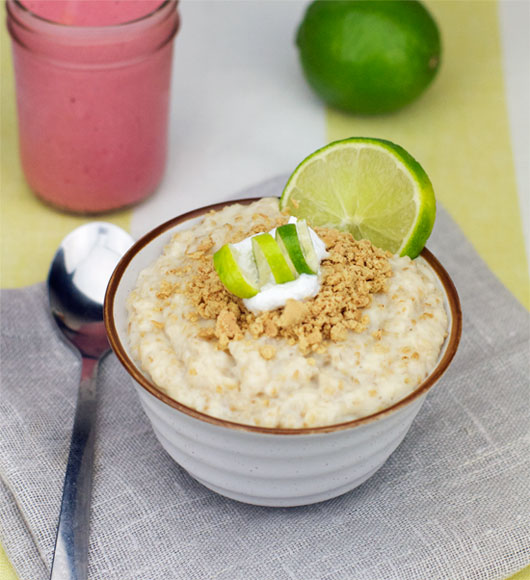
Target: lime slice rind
[(308, 249), (289, 242), (378, 180), (238, 278), (270, 261)]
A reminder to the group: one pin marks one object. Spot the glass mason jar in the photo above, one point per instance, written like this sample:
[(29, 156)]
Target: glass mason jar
[(93, 104)]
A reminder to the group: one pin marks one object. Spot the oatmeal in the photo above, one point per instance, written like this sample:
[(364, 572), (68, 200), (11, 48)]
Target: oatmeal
[(367, 339)]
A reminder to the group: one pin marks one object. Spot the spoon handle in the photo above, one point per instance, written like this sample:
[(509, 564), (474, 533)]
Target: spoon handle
[(70, 560)]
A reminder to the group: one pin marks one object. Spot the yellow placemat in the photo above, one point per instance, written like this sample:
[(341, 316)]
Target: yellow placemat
[(459, 132), (522, 575), (6, 570)]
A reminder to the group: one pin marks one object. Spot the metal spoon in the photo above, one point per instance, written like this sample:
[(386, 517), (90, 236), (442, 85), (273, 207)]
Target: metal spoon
[(77, 281)]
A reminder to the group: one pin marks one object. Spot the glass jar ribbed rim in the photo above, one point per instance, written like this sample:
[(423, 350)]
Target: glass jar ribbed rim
[(46, 38), (60, 25)]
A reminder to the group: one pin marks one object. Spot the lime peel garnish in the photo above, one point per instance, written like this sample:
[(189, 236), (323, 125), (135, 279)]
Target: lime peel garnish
[(370, 187), (295, 241), (271, 261), (237, 279), (276, 258)]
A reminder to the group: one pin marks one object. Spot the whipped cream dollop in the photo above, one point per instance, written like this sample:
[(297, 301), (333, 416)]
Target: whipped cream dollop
[(273, 296)]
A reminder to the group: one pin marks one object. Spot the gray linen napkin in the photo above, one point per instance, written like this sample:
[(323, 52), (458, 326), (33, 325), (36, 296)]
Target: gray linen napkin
[(453, 502)]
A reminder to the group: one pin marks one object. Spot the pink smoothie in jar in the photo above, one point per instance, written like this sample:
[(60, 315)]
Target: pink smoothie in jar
[(92, 82)]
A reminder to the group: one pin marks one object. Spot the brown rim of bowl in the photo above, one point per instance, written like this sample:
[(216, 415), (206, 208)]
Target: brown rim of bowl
[(450, 347)]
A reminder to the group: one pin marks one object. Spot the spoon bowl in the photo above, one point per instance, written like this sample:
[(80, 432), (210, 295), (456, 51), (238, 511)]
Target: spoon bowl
[(77, 281)]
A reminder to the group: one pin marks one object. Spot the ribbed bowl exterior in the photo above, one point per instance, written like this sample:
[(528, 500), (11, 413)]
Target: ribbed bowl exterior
[(277, 470)]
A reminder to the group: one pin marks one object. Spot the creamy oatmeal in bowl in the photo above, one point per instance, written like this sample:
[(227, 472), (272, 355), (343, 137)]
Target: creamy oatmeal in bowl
[(279, 405), (369, 337)]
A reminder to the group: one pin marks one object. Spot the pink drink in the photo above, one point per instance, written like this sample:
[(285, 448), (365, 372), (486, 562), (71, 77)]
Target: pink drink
[(92, 82)]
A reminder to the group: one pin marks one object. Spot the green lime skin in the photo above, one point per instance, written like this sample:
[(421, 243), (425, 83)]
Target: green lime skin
[(423, 224), (368, 56)]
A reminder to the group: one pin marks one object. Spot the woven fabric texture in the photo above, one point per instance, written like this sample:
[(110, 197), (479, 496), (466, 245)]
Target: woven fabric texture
[(452, 502)]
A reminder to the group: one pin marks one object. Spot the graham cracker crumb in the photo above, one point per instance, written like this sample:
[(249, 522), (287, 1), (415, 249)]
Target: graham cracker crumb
[(192, 316), (267, 352), (350, 275), (338, 332), (166, 290), (294, 312), (207, 333), (227, 328), (206, 244)]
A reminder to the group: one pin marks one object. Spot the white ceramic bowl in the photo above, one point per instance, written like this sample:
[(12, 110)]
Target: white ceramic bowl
[(266, 466)]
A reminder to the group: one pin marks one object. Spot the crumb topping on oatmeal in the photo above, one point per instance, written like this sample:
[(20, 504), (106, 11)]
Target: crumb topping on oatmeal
[(367, 339), (351, 274)]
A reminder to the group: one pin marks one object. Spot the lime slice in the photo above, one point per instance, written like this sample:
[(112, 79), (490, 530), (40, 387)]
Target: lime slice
[(308, 247), (270, 261), (238, 277), (302, 255), (369, 187)]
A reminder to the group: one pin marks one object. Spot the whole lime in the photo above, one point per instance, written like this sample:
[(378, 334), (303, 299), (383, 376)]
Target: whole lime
[(368, 56)]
